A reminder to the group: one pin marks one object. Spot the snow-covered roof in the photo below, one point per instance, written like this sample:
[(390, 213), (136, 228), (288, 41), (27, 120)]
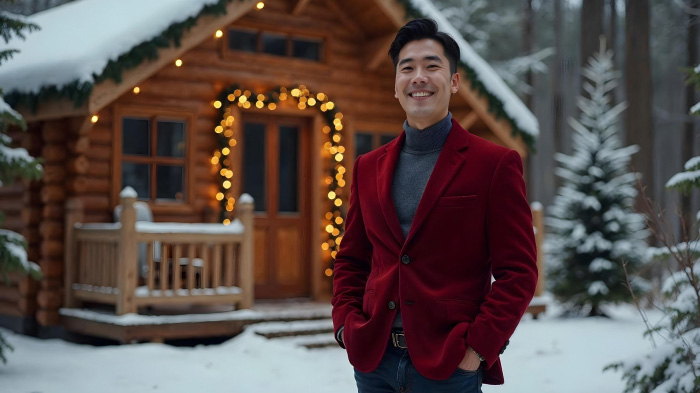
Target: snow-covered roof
[(78, 39), (76, 43), (513, 106)]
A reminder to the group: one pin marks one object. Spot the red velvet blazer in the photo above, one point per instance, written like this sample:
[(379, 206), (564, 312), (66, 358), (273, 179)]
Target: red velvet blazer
[(472, 222)]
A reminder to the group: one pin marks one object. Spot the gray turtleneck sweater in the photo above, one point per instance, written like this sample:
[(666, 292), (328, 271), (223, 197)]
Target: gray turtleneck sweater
[(416, 162)]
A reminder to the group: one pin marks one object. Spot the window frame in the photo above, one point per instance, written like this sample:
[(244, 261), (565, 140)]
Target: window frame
[(155, 114)]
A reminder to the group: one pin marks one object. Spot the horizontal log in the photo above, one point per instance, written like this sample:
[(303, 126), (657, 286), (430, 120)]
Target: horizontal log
[(54, 174), (48, 317), (54, 133), (78, 165), (100, 168), (28, 286), (52, 248), (51, 268), (13, 223), (89, 185), (95, 202), (12, 203), (54, 212), (49, 299), (10, 309), (53, 154), (81, 145), (97, 217), (102, 134), (13, 189), (159, 86), (53, 194), (31, 216), (101, 152), (9, 294), (52, 285), (27, 306)]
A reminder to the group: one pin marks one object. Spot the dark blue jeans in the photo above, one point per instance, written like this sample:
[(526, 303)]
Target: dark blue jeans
[(396, 374)]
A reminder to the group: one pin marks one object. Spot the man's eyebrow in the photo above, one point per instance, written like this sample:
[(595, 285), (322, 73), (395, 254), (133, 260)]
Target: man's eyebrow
[(428, 58)]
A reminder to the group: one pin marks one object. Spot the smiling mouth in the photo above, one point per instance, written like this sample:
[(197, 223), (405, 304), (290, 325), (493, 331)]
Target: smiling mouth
[(420, 94)]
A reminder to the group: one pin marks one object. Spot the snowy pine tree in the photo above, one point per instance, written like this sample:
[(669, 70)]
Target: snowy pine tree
[(14, 162), (593, 232)]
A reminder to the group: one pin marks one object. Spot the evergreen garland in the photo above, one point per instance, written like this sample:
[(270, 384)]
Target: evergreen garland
[(495, 104)]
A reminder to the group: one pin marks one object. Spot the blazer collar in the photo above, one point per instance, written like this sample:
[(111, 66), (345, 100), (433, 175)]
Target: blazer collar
[(448, 164)]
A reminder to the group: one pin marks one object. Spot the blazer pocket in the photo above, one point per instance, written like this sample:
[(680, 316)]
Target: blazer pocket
[(457, 201)]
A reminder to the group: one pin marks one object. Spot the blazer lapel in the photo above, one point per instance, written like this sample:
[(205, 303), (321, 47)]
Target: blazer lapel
[(385, 176), (448, 164)]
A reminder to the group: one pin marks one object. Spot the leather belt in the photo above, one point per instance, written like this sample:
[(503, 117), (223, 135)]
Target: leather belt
[(398, 339)]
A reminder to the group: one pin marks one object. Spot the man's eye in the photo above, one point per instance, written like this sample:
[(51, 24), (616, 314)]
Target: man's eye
[(433, 66), (406, 69)]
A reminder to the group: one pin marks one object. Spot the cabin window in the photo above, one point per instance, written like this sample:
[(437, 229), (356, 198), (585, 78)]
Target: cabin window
[(368, 141), (275, 44), (153, 157)]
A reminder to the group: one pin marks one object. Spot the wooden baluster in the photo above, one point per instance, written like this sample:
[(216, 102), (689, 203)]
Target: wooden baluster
[(228, 264), (190, 266), (177, 269), (128, 254), (151, 279), (164, 268), (216, 266), (205, 266)]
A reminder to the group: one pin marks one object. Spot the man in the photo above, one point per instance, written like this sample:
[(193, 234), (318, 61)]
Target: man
[(432, 216)]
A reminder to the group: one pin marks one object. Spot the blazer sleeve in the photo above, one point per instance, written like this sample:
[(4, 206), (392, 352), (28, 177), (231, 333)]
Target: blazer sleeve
[(353, 261), (513, 256)]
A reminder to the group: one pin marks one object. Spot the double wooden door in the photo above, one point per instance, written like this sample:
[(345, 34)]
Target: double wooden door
[(276, 172)]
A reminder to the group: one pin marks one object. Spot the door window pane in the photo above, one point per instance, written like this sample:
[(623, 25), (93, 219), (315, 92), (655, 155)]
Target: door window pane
[(170, 183), (171, 139), (306, 49), (363, 143), (246, 41), (136, 136), (254, 163), (274, 44), (137, 176), (289, 169)]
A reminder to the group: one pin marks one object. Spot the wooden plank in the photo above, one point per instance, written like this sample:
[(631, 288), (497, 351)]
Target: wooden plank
[(177, 269), (206, 261), (151, 266), (10, 309), (216, 266), (191, 299), (164, 268), (299, 7), (229, 266), (9, 294), (377, 51), (469, 120), (191, 248), (90, 296), (190, 237)]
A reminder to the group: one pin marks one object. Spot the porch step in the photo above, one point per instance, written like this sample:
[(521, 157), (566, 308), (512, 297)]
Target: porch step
[(314, 341), (294, 328)]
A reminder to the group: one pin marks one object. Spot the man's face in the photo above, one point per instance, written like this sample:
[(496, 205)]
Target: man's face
[(424, 83)]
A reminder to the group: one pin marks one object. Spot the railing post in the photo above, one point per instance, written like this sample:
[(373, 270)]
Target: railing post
[(538, 223), (245, 214), (128, 253), (74, 214)]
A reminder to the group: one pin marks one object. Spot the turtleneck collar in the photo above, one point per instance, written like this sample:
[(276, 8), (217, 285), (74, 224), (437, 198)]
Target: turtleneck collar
[(429, 139)]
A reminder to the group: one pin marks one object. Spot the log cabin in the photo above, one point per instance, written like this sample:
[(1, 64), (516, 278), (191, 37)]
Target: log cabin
[(191, 104)]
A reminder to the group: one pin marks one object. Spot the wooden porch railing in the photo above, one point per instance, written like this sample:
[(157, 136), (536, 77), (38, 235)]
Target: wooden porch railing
[(197, 263)]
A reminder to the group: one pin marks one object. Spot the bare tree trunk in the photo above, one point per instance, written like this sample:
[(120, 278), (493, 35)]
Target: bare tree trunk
[(687, 141), (591, 28), (612, 39), (639, 125), (527, 45), (557, 95)]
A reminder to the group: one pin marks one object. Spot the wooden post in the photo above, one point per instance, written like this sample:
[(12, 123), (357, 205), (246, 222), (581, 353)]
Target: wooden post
[(537, 222), (128, 254), (74, 214), (247, 278)]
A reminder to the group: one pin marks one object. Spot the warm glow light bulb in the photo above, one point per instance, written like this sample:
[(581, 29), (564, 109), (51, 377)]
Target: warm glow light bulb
[(94, 118), (329, 272), (178, 63), (217, 104), (260, 5), (137, 90), (219, 196), (219, 34)]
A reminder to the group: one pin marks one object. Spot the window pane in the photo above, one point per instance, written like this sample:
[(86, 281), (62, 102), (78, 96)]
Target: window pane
[(386, 138), (170, 183), (306, 49), (137, 176), (170, 138), (254, 163), (289, 169), (274, 44), (363, 143), (243, 40), (136, 136)]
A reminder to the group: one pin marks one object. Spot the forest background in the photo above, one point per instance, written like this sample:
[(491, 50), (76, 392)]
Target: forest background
[(539, 46)]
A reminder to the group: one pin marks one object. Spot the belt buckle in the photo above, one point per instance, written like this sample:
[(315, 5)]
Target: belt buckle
[(395, 339)]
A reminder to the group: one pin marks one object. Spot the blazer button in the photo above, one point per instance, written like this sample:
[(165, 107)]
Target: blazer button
[(406, 259), (392, 305)]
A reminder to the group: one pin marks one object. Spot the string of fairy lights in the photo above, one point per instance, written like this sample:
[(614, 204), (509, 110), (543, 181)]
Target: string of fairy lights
[(333, 149), (335, 179)]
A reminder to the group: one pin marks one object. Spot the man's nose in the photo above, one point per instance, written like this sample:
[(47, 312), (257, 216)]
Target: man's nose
[(420, 77)]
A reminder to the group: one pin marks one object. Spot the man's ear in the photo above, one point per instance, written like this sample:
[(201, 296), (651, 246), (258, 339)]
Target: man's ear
[(396, 93), (455, 83)]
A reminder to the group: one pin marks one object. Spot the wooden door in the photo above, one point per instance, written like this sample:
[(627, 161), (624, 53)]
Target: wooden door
[(276, 172)]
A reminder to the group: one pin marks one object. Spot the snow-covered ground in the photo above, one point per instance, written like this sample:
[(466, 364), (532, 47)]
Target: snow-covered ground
[(548, 355)]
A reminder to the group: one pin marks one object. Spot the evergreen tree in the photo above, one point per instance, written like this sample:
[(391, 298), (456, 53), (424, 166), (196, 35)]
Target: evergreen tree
[(14, 163), (593, 231)]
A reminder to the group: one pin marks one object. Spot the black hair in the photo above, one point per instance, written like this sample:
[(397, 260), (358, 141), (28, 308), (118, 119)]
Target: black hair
[(419, 29)]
